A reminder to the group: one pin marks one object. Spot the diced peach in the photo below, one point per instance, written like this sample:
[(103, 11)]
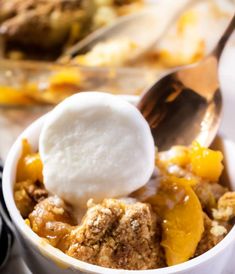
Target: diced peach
[(29, 165), (66, 76), (177, 155), (205, 162)]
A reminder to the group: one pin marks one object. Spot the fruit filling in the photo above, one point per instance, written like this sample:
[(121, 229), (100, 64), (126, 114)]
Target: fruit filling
[(182, 212)]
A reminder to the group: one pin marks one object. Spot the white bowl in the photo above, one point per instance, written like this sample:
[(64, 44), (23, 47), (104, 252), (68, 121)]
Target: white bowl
[(43, 258)]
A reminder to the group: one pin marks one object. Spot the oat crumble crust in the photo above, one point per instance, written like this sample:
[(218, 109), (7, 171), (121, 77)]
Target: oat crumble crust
[(112, 234), (126, 233)]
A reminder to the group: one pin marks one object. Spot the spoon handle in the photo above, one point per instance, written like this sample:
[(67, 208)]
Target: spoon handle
[(223, 40)]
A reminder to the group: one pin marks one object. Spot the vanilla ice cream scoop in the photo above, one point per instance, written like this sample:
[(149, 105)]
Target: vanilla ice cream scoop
[(95, 145)]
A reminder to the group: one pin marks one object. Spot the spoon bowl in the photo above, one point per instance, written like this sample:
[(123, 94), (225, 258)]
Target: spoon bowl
[(185, 105)]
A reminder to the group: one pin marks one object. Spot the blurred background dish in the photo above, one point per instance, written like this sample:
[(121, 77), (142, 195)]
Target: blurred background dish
[(26, 83), (28, 90), (43, 29), (187, 41)]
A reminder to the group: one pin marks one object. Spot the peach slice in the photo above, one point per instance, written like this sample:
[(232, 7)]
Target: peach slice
[(182, 218), (182, 229)]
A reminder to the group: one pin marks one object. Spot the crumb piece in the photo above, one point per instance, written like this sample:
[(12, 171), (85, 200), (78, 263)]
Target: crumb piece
[(27, 222), (109, 53), (104, 15), (228, 199), (208, 239), (90, 203), (51, 219), (223, 213), (226, 207), (27, 194), (218, 230)]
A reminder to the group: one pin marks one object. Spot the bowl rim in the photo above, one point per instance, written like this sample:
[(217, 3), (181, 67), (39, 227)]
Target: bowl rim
[(60, 258)]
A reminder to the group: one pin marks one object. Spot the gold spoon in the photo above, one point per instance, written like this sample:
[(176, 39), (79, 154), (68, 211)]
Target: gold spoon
[(185, 105)]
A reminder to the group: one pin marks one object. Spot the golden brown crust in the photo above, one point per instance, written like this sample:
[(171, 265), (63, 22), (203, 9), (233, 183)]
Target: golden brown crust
[(51, 219), (118, 235), (227, 200), (27, 194), (226, 207), (112, 234)]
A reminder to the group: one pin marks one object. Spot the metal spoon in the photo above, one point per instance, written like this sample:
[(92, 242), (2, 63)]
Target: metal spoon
[(185, 105), (144, 28)]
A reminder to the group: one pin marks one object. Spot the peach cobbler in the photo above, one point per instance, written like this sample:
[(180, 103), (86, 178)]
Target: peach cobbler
[(182, 212), (98, 189)]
